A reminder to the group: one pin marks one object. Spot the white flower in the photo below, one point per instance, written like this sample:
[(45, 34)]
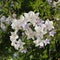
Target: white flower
[(30, 34), (18, 24), (13, 36), (19, 44), (40, 30), (39, 42), (3, 27), (49, 1), (16, 46), (13, 42), (49, 25), (51, 33), (47, 41), (22, 21), (39, 22), (31, 17), (15, 24), (25, 26), (22, 18), (9, 20), (3, 19), (39, 34)]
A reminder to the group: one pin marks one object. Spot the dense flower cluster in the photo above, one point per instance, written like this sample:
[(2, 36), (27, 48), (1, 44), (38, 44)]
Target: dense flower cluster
[(34, 28)]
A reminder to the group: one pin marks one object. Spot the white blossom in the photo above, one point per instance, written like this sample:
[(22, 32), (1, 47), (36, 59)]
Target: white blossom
[(17, 44), (9, 20), (3, 19), (31, 17), (3, 27), (47, 41), (39, 42), (51, 33), (13, 36), (29, 33), (49, 24), (40, 30), (15, 24)]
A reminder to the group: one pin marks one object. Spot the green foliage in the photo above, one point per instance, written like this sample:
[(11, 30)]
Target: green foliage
[(50, 52)]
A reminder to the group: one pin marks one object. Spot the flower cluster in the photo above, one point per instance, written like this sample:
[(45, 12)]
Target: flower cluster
[(34, 28), (4, 21)]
